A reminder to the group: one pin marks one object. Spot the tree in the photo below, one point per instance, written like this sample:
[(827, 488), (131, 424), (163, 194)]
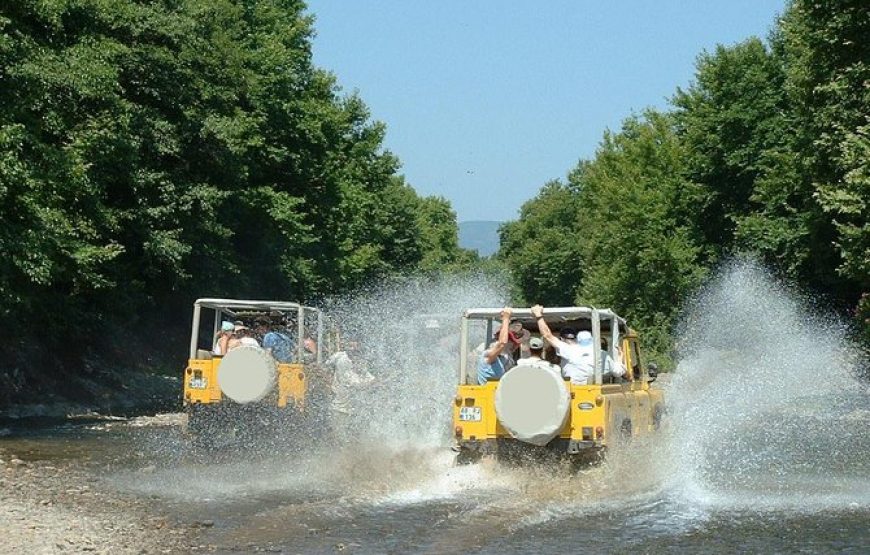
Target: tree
[(542, 248), (641, 251), (154, 152), (728, 120)]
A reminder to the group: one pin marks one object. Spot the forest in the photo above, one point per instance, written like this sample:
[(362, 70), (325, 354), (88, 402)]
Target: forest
[(766, 155), (155, 152)]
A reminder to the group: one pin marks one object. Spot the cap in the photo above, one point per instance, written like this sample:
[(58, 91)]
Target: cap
[(536, 343), (227, 326), (568, 333), (584, 338)]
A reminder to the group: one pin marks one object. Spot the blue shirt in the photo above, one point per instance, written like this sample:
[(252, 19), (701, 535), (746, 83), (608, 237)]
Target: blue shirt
[(487, 372), (280, 345)]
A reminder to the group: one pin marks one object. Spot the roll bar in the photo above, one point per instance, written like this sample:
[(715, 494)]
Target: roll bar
[(551, 315), (231, 306)]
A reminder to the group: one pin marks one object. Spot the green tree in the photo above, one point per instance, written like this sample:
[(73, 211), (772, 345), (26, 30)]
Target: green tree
[(826, 56), (641, 251), (155, 152), (440, 237), (542, 248), (728, 119)]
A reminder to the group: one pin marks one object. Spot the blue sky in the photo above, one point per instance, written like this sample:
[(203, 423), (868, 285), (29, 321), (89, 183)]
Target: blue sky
[(485, 101)]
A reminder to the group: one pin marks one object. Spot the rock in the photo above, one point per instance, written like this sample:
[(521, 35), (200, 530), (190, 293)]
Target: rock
[(17, 462)]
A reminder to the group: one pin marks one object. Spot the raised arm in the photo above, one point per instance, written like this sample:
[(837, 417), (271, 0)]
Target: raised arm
[(546, 333), (503, 334)]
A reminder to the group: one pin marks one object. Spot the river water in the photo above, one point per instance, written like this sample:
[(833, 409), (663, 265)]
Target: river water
[(765, 449)]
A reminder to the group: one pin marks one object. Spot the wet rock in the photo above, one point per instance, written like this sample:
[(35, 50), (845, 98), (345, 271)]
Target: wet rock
[(17, 462)]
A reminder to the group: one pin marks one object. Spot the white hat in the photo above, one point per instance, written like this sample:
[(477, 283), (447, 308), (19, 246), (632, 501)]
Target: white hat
[(584, 338)]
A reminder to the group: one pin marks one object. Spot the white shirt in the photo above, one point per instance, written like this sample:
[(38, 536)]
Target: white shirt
[(249, 342), (576, 362), (611, 367), (538, 362), (345, 381)]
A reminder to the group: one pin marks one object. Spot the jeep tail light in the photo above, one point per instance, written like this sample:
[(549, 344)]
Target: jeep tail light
[(458, 431), (599, 432)]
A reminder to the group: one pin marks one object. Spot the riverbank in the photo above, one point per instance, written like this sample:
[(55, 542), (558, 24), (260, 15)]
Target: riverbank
[(57, 507), (122, 393)]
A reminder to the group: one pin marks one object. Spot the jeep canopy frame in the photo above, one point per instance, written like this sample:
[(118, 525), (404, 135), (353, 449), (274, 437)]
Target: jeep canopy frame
[(600, 320), (231, 307)]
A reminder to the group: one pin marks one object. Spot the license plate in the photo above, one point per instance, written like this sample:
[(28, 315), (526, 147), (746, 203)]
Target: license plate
[(197, 383), (470, 414)]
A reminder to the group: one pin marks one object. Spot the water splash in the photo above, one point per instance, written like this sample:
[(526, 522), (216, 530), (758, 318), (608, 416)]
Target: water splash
[(409, 338), (761, 401), (764, 414)]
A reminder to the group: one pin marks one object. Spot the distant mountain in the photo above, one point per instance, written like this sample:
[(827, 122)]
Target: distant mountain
[(481, 236)]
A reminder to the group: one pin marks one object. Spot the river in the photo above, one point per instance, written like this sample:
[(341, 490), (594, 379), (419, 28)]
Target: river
[(765, 449)]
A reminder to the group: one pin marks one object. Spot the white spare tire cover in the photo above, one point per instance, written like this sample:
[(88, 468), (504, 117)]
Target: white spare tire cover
[(246, 374), (532, 404)]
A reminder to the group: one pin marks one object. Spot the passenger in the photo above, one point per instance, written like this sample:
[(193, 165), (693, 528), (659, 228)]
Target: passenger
[(536, 358), (611, 369), (494, 362), (242, 337), (574, 350), (520, 336), (276, 343), (310, 347), (221, 341), (348, 377)]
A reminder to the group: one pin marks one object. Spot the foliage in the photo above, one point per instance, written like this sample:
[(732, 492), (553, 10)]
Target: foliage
[(766, 151), (440, 236), (541, 249), (638, 242), (155, 152)]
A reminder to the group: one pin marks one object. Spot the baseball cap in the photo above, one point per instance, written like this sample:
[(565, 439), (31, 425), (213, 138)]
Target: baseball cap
[(227, 326), (584, 338), (536, 343)]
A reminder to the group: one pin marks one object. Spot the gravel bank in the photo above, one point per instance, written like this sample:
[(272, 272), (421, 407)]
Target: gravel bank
[(63, 507)]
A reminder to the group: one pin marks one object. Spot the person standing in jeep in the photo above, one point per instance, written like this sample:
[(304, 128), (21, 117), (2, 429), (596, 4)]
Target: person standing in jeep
[(575, 351), (277, 343), (494, 362)]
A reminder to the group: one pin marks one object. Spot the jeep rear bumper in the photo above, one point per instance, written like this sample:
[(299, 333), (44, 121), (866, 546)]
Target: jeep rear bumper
[(509, 448)]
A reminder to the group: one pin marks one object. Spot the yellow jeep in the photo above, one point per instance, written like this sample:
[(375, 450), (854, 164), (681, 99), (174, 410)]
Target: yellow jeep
[(538, 414), (251, 387)]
